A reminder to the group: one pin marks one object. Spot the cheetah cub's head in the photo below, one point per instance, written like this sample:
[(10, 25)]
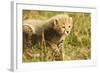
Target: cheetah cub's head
[(63, 24)]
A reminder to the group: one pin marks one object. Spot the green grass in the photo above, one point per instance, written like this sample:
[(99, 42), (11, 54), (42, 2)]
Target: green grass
[(77, 45)]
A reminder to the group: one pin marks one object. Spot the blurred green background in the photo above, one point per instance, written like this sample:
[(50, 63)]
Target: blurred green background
[(78, 44)]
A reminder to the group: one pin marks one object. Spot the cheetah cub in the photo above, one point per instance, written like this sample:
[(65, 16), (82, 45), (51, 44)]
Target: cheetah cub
[(55, 30)]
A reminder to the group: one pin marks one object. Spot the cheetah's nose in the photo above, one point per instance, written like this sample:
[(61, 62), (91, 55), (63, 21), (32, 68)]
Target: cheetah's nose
[(67, 31)]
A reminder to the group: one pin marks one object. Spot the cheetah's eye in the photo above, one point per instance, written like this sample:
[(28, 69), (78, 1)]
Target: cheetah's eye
[(63, 26), (69, 26)]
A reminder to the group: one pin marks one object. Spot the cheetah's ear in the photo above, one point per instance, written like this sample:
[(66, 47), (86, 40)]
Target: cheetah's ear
[(55, 22), (71, 20)]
